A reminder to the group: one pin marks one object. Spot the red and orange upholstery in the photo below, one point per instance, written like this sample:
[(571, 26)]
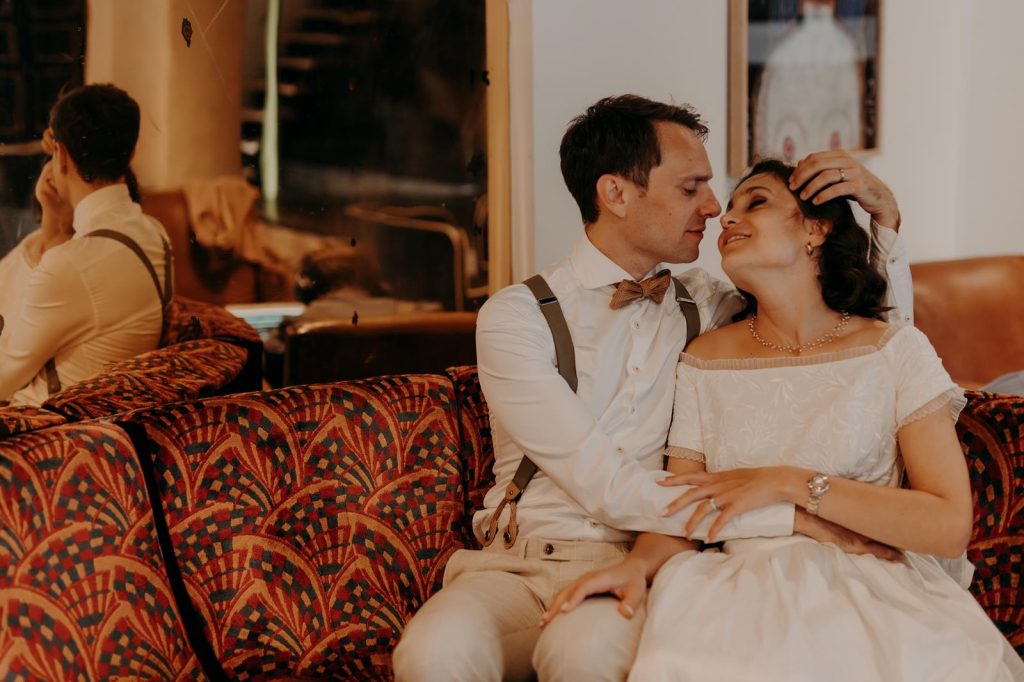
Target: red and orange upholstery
[(83, 592), (188, 320), (15, 419), (184, 371), (477, 448), (310, 522), (991, 430)]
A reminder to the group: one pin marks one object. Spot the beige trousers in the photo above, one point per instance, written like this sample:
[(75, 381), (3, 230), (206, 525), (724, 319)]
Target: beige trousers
[(482, 626)]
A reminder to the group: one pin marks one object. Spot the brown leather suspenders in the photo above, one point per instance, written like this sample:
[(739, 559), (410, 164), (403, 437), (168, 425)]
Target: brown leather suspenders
[(565, 359), (165, 294)]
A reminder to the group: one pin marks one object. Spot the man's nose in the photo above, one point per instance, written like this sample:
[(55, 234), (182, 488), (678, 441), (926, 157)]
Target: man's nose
[(711, 207)]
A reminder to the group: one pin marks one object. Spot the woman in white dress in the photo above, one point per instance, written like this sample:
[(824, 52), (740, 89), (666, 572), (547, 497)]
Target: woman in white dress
[(811, 400)]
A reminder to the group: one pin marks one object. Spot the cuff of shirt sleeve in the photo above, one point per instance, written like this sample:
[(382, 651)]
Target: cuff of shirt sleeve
[(768, 522)]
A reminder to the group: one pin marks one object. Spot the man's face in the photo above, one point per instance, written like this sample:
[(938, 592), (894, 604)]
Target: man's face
[(666, 221)]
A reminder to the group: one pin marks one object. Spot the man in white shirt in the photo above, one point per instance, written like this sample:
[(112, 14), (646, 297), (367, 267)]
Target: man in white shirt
[(91, 300), (640, 174)]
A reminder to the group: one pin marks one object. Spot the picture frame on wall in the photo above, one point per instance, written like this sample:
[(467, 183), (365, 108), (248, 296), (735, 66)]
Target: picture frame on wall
[(804, 76)]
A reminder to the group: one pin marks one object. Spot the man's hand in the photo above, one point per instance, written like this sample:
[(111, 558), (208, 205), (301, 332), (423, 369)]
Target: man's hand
[(57, 214), (845, 539), (625, 580), (827, 175)]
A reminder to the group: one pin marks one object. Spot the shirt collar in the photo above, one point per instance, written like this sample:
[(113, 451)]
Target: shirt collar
[(594, 269), (96, 203)]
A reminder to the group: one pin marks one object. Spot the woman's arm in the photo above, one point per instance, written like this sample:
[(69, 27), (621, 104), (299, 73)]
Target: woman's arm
[(934, 517)]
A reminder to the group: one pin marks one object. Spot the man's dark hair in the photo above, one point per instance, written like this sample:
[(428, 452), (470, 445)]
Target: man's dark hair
[(849, 281), (99, 126), (617, 135)]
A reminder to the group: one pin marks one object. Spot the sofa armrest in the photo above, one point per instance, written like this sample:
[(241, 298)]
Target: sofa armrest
[(991, 431)]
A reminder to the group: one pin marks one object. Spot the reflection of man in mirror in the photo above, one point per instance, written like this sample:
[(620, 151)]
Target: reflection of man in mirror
[(808, 98)]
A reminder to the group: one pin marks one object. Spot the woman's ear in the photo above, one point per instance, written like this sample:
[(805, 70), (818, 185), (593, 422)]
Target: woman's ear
[(817, 232), (611, 194)]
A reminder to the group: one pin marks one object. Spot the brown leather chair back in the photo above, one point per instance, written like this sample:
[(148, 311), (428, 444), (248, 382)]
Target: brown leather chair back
[(197, 275), (318, 351), (972, 310)]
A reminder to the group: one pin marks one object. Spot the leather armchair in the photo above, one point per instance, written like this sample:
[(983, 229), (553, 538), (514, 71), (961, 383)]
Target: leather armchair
[(972, 310)]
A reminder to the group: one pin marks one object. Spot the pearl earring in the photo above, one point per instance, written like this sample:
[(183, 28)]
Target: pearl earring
[(810, 249)]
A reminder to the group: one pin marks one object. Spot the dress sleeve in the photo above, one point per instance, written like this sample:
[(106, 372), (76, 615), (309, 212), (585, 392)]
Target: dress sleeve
[(923, 385), (685, 434)]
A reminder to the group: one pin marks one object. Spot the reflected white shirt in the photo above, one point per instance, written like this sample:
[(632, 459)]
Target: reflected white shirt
[(599, 451), (88, 303)]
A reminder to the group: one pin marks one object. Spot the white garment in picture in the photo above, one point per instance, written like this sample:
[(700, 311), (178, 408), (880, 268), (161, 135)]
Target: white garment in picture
[(793, 609), (809, 95)]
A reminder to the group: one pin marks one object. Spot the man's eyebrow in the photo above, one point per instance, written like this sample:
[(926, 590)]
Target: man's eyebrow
[(695, 178)]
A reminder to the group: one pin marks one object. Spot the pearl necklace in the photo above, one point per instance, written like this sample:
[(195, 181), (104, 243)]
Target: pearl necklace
[(800, 348)]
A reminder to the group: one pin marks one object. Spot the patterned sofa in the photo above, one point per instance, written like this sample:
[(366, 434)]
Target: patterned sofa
[(291, 534), (205, 351)]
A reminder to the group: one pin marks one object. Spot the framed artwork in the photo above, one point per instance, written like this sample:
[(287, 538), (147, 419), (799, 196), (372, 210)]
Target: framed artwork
[(803, 77)]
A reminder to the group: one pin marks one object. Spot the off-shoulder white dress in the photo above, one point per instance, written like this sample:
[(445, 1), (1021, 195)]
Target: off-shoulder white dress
[(790, 609)]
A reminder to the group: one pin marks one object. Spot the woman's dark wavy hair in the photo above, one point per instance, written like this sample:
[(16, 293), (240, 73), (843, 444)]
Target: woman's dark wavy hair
[(850, 281)]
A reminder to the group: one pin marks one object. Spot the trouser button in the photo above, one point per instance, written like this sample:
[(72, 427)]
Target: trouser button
[(549, 548)]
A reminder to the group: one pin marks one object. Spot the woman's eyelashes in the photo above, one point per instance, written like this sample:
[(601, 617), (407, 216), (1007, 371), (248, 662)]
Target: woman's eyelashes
[(755, 202)]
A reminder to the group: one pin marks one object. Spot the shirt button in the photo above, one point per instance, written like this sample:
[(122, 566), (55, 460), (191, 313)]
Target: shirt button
[(620, 450), (593, 524), (636, 324), (892, 259), (635, 369), (549, 548)]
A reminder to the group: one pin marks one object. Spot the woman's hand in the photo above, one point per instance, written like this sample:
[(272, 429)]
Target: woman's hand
[(734, 492), (626, 580), (827, 175)]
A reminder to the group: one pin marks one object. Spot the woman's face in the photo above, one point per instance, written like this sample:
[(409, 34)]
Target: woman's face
[(763, 228)]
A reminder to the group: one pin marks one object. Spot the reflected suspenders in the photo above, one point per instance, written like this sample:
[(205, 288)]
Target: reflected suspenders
[(565, 359), (165, 293)]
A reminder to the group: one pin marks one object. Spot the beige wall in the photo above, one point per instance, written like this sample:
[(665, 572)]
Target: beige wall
[(190, 96), (950, 100)]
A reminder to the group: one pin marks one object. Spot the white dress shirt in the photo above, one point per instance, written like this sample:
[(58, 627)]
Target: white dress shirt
[(599, 451), (88, 303)]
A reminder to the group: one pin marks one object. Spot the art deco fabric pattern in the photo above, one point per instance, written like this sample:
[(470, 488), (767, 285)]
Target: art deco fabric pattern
[(477, 447), (83, 592), (185, 371), (188, 320), (15, 419), (311, 522), (991, 434)]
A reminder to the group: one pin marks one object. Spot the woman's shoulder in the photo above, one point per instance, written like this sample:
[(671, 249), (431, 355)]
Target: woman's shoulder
[(719, 344)]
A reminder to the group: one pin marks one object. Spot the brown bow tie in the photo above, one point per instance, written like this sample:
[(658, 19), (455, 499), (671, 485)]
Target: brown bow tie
[(653, 288)]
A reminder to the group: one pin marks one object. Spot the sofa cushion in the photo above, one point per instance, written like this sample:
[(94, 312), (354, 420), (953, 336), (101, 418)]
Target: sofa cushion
[(311, 522), (15, 419), (83, 593), (185, 371), (991, 433), (188, 320), (477, 447)]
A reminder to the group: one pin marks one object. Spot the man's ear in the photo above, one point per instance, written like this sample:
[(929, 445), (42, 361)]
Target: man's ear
[(611, 194), (61, 158)]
